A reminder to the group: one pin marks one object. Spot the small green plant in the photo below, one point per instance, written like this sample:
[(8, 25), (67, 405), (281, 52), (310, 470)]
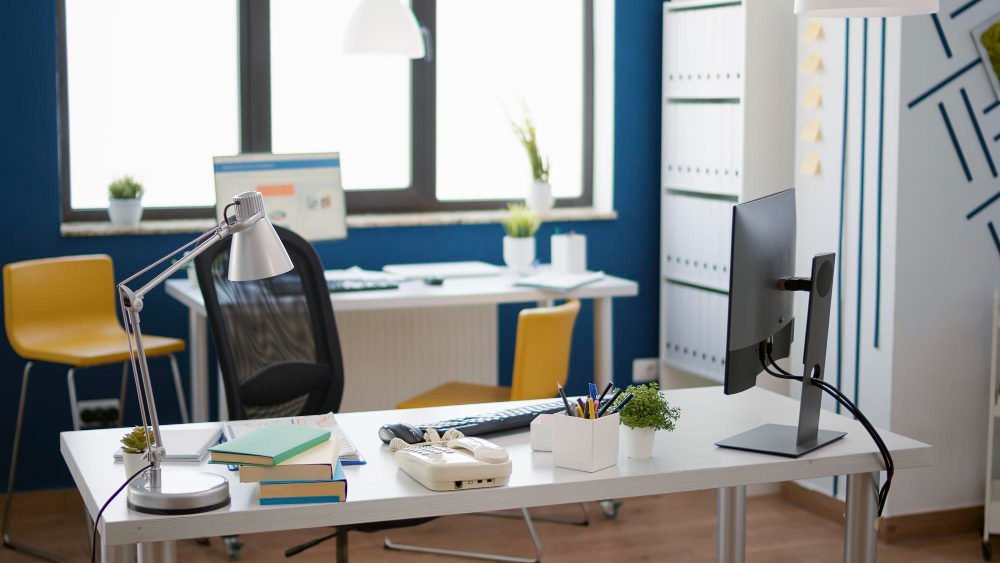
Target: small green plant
[(125, 188), (529, 140), (135, 441), (521, 223), (647, 409)]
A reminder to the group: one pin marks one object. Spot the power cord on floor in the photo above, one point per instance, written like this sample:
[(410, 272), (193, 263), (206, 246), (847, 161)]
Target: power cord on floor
[(93, 543), (300, 548), (853, 409)]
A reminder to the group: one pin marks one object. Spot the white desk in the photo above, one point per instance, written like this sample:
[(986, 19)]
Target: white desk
[(414, 294), (684, 460)]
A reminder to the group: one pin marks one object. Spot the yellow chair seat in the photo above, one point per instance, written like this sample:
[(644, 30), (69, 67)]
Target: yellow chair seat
[(456, 393), (90, 349)]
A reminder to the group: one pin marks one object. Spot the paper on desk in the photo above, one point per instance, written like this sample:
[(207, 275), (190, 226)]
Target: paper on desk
[(349, 454), (555, 281)]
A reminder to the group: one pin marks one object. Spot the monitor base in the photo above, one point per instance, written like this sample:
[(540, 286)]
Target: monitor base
[(779, 439)]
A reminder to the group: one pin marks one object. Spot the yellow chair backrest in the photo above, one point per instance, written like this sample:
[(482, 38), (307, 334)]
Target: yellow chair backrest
[(541, 354), (58, 298)]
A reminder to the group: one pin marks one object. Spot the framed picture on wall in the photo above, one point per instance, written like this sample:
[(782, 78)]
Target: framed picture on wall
[(987, 38)]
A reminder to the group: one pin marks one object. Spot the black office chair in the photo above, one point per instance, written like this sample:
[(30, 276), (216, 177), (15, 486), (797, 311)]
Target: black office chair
[(278, 347)]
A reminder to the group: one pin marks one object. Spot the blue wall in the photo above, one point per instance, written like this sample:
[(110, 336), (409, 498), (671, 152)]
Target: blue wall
[(627, 247)]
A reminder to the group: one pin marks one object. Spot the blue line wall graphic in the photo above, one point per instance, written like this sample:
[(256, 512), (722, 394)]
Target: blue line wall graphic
[(941, 36), (979, 132), (954, 141), (943, 83), (861, 211), (963, 8), (878, 210), (983, 205), (991, 107), (993, 233)]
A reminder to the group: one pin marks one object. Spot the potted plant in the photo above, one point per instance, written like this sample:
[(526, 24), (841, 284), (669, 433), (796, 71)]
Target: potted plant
[(519, 244), (125, 202), (539, 198), (134, 448), (647, 412)]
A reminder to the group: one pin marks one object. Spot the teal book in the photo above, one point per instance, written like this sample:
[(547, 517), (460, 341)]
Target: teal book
[(305, 492), (269, 445)]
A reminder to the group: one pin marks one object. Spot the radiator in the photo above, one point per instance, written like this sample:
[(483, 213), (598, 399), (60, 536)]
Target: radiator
[(392, 355)]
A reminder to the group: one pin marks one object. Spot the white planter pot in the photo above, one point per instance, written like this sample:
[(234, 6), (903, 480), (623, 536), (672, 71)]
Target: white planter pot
[(540, 198), (639, 442), (125, 212), (133, 463), (519, 253), (192, 277)]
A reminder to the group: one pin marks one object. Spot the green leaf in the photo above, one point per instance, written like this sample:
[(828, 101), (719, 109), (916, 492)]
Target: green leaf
[(647, 409)]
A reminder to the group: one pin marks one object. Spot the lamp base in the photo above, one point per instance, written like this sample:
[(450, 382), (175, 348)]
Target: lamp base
[(180, 492)]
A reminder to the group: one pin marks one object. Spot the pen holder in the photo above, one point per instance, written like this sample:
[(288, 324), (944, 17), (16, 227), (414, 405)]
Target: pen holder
[(583, 444)]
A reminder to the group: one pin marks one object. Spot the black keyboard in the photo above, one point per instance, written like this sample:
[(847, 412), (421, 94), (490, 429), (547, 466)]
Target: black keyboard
[(495, 421), (341, 286)]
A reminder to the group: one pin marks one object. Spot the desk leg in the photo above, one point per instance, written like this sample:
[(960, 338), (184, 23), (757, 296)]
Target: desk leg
[(198, 356), (158, 552), (118, 553), (603, 356), (860, 535), (732, 524)]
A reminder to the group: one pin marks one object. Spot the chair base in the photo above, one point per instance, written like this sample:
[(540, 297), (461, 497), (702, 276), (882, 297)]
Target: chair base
[(27, 549), (389, 544), (585, 521)]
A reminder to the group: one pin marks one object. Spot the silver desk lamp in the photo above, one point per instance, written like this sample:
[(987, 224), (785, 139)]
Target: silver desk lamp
[(256, 253)]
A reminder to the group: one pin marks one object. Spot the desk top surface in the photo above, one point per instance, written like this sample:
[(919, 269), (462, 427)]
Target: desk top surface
[(683, 460), (454, 291)]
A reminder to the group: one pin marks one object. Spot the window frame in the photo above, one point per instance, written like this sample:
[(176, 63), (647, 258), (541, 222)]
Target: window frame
[(254, 52)]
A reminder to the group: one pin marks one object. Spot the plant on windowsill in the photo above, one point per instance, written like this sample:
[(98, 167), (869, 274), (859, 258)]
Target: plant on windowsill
[(519, 244), (539, 198), (134, 448), (647, 412), (125, 202)]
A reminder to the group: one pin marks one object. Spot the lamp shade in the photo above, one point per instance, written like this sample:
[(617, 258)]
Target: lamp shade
[(865, 8), (384, 27), (256, 252)]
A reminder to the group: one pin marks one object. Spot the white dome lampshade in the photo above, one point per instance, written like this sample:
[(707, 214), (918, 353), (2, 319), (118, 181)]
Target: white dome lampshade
[(865, 8), (384, 27)]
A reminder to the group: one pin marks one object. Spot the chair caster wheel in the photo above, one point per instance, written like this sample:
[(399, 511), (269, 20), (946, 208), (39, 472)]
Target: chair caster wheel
[(233, 546), (987, 551), (610, 508), (204, 542)]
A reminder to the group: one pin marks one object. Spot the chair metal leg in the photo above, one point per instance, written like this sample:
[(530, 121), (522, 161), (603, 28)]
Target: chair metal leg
[(73, 407), (585, 521), (342, 546), (7, 541), (180, 389), (474, 555), (121, 397)]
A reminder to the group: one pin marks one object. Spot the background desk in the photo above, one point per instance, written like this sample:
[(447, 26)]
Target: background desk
[(442, 333), (685, 460)]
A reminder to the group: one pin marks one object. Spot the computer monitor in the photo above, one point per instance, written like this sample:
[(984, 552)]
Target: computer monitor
[(761, 287)]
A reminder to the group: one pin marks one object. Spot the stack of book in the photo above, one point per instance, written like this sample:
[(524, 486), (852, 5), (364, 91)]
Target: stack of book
[(292, 464)]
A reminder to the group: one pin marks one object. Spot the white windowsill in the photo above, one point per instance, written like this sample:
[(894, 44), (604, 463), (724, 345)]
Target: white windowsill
[(180, 226)]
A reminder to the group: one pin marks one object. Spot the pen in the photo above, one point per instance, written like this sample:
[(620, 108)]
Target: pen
[(583, 407), (623, 403), (579, 411), (593, 390), (590, 408), (565, 402), (606, 389), (609, 402)]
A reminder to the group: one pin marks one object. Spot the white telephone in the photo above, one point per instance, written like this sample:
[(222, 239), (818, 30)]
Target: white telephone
[(464, 463)]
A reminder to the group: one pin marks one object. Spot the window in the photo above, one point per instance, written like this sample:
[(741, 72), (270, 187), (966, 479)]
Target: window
[(255, 76)]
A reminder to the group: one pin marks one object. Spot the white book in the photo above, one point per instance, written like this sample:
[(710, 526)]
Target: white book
[(671, 334), (185, 444), (558, 281), (349, 454)]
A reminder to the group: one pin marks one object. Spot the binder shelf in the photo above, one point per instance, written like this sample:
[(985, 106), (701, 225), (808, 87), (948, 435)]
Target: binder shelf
[(728, 136)]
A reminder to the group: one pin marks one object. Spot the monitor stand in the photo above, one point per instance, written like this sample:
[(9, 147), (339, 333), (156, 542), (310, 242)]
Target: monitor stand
[(794, 441)]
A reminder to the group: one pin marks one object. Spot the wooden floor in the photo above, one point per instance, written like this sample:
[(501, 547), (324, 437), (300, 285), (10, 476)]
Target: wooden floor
[(678, 528)]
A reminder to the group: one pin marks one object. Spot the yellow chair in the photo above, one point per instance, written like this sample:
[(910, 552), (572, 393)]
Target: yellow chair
[(541, 359), (65, 311)]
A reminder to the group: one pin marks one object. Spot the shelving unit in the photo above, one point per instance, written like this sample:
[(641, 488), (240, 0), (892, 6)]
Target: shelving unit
[(728, 137)]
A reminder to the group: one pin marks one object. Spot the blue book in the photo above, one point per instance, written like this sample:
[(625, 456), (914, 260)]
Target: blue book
[(305, 492)]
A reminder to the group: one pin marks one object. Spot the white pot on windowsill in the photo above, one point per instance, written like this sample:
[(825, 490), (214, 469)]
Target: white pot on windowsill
[(125, 212), (639, 442), (540, 198), (519, 253)]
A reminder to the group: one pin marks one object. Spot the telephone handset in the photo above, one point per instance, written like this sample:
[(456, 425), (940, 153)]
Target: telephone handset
[(464, 463)]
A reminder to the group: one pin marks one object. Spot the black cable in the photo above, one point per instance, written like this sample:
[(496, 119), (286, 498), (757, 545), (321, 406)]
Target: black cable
[(93, 544), (300, 548), (853, 409)]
